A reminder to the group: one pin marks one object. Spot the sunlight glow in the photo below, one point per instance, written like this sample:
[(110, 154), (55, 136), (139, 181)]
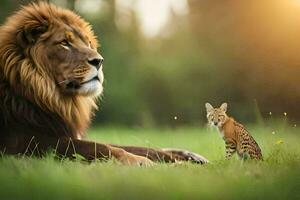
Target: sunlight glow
[(86, 6), (153, 15)]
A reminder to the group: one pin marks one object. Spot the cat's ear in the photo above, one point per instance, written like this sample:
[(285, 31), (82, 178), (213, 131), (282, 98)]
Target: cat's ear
[(224, 107), (208, 107)]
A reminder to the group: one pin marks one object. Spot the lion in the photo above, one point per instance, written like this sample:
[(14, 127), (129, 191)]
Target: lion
[(50, 79)]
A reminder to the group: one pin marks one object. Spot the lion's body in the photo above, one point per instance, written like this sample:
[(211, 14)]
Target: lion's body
[(50, 78)]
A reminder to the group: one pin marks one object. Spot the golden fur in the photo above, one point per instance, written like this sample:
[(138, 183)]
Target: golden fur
[(34, 80), (50, 77)]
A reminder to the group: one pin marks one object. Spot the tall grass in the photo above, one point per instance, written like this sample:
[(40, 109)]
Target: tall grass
[(277, 177)]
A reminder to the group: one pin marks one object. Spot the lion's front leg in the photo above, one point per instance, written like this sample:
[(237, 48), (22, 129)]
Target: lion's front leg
[(186, 155), (128, 158), (151, 153), (165, 155), (92, 150)]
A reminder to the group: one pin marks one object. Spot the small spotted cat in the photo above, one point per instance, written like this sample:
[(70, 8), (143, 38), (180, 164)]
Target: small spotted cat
[(236, 137)]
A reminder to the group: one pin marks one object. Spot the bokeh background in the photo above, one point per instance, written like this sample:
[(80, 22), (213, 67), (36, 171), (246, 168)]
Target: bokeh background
[(165, 58)]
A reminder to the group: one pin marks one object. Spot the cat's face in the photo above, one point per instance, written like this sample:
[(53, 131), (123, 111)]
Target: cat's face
[(216, 116)]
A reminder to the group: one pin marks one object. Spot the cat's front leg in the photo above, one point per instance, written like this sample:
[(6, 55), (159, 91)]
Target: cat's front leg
[(230, 147)]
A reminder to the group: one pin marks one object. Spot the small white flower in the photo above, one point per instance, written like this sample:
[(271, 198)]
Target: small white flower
[(285, 114)]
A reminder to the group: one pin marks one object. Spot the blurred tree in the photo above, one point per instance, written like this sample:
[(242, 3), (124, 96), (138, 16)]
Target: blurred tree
[(241, 52), (8, 6)]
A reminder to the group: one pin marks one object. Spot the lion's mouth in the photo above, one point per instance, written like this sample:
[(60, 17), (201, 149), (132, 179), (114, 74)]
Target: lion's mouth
[(96, 78), (75, 84)]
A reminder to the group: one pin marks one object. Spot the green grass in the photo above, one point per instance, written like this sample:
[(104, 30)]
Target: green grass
[(277, 177)]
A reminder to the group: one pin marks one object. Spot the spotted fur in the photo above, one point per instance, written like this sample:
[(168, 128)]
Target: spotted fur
[(237, 138)]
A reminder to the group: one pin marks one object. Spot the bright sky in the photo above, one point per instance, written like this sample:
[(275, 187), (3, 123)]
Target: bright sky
[(152, 14)]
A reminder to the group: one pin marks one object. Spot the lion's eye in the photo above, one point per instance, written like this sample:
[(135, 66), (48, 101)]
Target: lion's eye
[(65, 44)]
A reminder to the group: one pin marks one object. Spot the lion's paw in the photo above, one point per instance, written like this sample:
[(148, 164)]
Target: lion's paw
[(135, 160)]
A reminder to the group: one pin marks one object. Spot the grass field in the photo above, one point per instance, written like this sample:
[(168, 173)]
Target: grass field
[(277, 177)]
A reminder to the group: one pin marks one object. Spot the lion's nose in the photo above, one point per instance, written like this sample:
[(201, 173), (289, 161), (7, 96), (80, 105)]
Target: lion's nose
[(96, 62)]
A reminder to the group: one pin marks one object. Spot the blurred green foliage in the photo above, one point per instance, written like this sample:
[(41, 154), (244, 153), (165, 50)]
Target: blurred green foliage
[(241, 52)]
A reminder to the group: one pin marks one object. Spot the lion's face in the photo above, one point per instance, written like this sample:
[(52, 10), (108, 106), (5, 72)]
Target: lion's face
[(73, 61), (60, 49)]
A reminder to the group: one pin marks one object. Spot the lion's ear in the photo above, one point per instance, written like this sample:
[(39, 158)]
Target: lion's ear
[(30, 33)]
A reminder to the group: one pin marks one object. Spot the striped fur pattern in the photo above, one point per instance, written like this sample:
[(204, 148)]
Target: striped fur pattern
[(237, 138)]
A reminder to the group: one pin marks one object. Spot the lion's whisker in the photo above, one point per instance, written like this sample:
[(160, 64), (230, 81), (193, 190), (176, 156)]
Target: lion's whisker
[(63, 81)]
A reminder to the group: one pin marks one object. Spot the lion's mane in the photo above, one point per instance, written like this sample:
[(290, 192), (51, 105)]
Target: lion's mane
[(28, 94)]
